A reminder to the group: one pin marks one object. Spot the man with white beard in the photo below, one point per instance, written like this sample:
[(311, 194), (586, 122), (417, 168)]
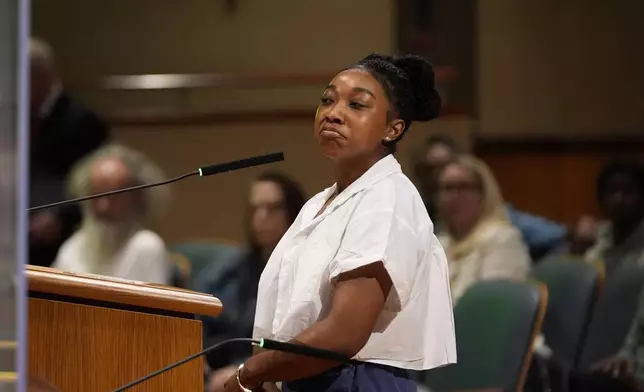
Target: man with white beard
[(112, 239)]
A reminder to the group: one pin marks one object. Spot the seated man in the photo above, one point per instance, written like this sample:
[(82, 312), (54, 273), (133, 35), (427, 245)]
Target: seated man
[(112, 239), (623, 372), (62, 132), (620, 192)]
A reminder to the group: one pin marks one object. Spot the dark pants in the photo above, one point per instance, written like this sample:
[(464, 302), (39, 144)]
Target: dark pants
[(600, 382), (364, 377)]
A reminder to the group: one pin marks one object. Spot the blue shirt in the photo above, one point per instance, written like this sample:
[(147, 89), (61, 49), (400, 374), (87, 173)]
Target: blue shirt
[(540, 234)]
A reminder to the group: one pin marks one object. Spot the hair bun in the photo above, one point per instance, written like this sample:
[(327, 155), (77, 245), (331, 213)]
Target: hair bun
[(379, 57), (427, 101)]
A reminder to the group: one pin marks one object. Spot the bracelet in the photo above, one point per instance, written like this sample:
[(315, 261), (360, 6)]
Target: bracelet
[(239, 384)]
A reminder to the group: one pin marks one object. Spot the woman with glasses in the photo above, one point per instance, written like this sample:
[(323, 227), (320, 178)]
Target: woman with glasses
[(480, 241)]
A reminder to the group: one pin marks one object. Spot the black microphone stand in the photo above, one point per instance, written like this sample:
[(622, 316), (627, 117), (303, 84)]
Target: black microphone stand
[(268, 344)]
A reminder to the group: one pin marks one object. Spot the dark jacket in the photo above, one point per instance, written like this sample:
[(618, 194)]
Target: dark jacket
[(59, 141), (234, 282)]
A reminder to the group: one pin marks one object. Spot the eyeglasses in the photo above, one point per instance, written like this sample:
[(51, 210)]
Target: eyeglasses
[(458, 188)]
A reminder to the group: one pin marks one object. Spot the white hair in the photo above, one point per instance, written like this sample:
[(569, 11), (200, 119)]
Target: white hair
[(41, 53), (142, 170)]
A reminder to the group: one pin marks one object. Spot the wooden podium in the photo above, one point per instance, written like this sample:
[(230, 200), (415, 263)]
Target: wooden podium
[(91, 333)]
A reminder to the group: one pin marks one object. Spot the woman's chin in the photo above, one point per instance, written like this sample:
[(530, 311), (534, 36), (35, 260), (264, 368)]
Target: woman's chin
[(331, 151)]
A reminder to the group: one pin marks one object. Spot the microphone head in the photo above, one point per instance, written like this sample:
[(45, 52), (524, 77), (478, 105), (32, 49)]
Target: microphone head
[(241, 164)]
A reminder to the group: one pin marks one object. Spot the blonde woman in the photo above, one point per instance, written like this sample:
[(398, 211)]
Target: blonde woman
[(475, 231)]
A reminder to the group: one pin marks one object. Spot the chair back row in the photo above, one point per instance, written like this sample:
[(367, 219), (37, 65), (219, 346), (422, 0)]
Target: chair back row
[(588, 315), (583, 321), (574, 286)]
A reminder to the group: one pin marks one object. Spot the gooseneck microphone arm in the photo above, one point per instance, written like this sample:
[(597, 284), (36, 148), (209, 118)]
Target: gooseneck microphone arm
[(203, 172), (262, 343), (116, 192)]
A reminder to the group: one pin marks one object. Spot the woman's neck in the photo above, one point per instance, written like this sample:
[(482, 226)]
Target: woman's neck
[(349, 171)]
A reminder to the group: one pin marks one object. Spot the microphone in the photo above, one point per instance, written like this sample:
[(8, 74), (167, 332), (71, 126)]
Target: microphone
[(267, 344), (241, 164), (202, 172), (305, 350)]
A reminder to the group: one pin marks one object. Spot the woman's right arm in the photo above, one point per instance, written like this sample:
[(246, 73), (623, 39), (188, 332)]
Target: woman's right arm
[(359, 297)]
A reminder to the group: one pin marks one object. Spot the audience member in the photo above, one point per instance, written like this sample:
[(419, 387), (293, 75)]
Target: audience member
[(62, 132), (274, 202), (437, 151), (540, 234), (584, 235), (620, 191), (112, 239), (475, 231), (623, 372)]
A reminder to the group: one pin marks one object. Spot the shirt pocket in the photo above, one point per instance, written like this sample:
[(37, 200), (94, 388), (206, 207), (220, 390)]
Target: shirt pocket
[(311, 266)]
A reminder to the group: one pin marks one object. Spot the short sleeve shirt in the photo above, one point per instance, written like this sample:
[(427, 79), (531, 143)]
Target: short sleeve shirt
[(380, 217)]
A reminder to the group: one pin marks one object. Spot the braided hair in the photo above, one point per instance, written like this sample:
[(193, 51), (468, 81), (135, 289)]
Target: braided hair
[(408, 83)]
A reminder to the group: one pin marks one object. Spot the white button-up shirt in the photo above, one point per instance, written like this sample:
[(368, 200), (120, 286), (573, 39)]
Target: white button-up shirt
[(143, 257), (379, 217)]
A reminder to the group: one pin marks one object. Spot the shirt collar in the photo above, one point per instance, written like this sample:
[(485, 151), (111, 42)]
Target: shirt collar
[(377, 172), (47, 106), (385, 167)]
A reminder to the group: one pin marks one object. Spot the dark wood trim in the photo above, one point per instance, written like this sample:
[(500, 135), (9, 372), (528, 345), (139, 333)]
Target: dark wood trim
[(166, 82), (221, 80), (617, 144), (160, 117)]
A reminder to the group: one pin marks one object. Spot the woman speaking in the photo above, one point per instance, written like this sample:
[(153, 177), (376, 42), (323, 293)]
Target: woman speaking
[(360, 271)]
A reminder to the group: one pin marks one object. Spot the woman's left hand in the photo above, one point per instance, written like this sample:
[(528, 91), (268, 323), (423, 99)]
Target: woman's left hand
[(220, 377), (231, 384)]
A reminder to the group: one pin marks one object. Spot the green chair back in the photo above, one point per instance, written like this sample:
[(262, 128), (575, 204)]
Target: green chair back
[(573, 287), (496, 323), (201, 254)]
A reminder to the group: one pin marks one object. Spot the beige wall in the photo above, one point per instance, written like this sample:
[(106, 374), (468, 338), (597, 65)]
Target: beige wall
[(119, 37), (545, 68), (167, 36), (561, 68)]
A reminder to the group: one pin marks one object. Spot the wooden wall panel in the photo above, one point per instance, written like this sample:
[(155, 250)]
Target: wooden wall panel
[(553, 178), (445, 32), (560, 68)]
